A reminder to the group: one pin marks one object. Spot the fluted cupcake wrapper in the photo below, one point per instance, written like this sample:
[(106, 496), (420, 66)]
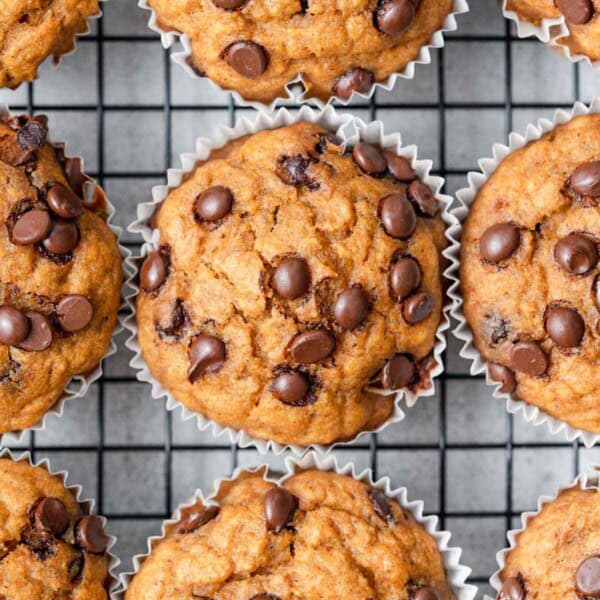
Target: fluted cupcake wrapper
[(350, 129), (456, 573), (466, 196), (76, 491), (79, 384), (295, 95)]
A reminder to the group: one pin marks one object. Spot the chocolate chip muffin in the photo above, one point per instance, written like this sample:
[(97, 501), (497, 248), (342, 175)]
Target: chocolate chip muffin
[(582, 18), (50, 547), (557, 557), (530, 276), (60, 273), (291, 273), (32, 30), (256, 47), (318, 536)]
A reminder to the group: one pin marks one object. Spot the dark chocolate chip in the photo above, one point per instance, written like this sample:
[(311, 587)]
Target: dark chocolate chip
[(494, 329), (398, 372), (405, 277), (397, 216), (576, 12), (14, 326), (229, 4), (280, 507), (351, 307), (585, 180), (207, 355), (291, 278), (427, 593), (75, 175), (75, 568), (153, 272), (328, 139), (499, 242), (312, 346), (394, 16), (418, 307), (63, 202), (291, 387), (40, 334), (423, 198), (90, 536), (512, 589), (564, 326), (369, 158), (399, 167), (213, 204), (381, 505), (63, 237), (529, 358), (265, 597), (354, 80), (576, 253), (32, 135), (292, 170), (505, 376), (74, 312), (197, 519), (174, 328), (247, 58), (587, 577), (51, 515), (31, 227)]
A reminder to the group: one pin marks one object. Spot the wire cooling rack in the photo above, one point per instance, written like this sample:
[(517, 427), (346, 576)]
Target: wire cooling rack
[(129, 111)]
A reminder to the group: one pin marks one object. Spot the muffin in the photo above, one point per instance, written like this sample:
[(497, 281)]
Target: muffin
[(318, 536), (557, 556), (256, 47), (530, 273), (32, 30), (582, 19), (60, 273), (290, 274), (50, 547)]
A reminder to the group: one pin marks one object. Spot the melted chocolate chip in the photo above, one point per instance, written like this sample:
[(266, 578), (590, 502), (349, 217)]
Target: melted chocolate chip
[(355, 80), (418, 307), (405, 277), (503, 375), (31, 227), (564, 326), (422, 197), (399, 167), (213, 204), (576, 253), (495, 329), (291, 387), (576, 12), (351, 307), (587, 577), (499, 242), (50, 515), (32, 135), (369, 158), (90, 536), (512, 589), (207, 356), (153, 272), (229, 4), (265, 597), (75, 568), (175, 328), (293, 170), (63, 202), (14, 326), (529, 358), (62, 239), (397, 216), (40, 334), (280, 507), (398, 372), (394, 16), (585, 180), (197, 519), (247, 58), (381, 505), (74, 312), (291, 278), (312, 346)]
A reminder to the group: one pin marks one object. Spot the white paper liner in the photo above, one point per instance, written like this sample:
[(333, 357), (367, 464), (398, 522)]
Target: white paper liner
[(456, 573), (549, 31), (75, 489), (350, 129), (466, 196), (589, 480), (79, 384), (294, 95)]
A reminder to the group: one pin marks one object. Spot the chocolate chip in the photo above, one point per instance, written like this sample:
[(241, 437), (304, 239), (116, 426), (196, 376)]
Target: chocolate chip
[(587, 577), (398, 372), (351, 307), (197, 519), (40, 334), (427, 594), (405, 277), (247, 58), (32, 135), (229, 4), (503, 375), (576, 253), (380, 505), (499, 242), (312, 346), (394, 16), (63, 202), (564, 326), (75, 567), (74, 312), (512, 589), (423, 198), (291, 387), (291, 278), (213, 204), (418, 307), (328, 139), (14, 326), (369, 158), (494, 329), (51, 515), (207, 355), (576, 12), (31, 227), (153, 272), (174, 328), (354, 80), (399, 167), (90, 536), (397, 216), (529, 358), (63, 237), (292, 170), (585, 180), (265, 597), (75, 175), (280, 507)]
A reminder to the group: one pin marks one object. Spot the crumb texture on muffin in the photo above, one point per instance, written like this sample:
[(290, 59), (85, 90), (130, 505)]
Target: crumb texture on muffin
[(50, 547), (257, 47), (320, 536), (277, 294), (530, 273), (32, 30)]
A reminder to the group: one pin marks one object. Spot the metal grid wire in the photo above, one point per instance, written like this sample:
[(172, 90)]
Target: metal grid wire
[(465, 515)]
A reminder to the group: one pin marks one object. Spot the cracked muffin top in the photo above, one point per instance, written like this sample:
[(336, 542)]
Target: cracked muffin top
[(60, 273), (530, 273), (50, 547), (557, 557), (32, 30), (318, 536), (258, 46), (582, 18), (290, 274)]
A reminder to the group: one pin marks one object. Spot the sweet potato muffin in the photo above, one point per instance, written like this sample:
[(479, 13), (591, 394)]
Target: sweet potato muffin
[(258, 46), (319, 536), (529, 273), (290, 274)]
